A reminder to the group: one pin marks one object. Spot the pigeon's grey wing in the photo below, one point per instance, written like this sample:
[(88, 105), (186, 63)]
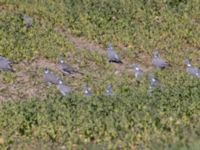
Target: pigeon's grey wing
[(64, 89), (192, 71), (110, 55), (109, 91), (153, 81), (28, 21), (51, 78), (159, 63), (5, 66), (87, 91), (63, 69), (47, 78), (67, 68), (138, 74), (198, 73), (155, 63), (54, 78), (3, 59), (113, 57), (163, 63)]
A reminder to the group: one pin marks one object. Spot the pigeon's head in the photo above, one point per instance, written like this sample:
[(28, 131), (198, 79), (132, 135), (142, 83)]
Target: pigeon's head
[(187, 62), (156, 54), (46, 70)]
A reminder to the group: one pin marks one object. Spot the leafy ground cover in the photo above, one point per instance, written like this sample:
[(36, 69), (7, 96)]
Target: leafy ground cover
[(37, 117)]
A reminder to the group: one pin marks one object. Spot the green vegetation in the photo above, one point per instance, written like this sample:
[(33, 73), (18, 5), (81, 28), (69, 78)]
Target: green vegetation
[(169, 119), (37, 117)]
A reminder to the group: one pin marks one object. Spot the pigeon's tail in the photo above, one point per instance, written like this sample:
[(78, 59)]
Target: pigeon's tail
[(116, 61)]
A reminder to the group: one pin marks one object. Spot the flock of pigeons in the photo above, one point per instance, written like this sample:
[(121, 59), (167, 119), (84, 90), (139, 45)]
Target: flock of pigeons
[(50, 78), (66, 69)]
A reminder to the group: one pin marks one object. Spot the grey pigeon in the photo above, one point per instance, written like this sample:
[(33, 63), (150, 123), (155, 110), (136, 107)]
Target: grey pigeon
[(5, 59), (28, 21), (50, 78), (87, 91), (65, 68), (153, 83), (158, 62), (192, 70), (112, 55), (64, 90), (138, 72), (109, 90), (5, 64)]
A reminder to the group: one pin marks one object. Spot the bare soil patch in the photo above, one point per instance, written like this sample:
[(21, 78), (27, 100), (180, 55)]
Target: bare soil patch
[(28, 82)]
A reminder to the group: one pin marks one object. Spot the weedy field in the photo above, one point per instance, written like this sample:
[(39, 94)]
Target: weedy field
[(35, 116)]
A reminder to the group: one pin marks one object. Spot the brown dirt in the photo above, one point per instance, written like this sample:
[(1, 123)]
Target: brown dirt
[(29, 75), (28, 83), (80, 42)]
